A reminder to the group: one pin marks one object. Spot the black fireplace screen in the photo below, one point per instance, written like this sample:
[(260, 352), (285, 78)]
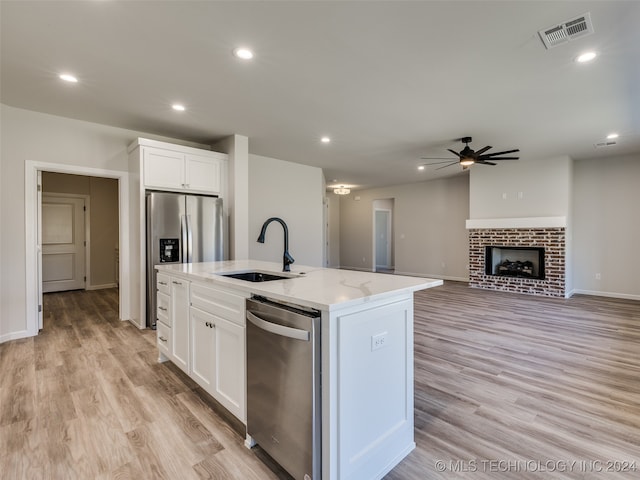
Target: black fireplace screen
[(522, 262)]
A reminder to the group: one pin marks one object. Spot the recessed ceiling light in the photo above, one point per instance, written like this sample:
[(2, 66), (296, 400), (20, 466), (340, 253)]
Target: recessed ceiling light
[(586, 57), (325, 140), (68, 78), (178, 107), (243, 53), (611, 136), (420, 167)]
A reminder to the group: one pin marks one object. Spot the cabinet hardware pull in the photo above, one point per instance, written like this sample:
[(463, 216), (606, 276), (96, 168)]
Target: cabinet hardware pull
[(176, 283), (162, 339), (162, 283), (162, 308)]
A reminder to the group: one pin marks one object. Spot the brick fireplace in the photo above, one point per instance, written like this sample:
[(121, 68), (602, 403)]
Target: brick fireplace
[(546, 235)]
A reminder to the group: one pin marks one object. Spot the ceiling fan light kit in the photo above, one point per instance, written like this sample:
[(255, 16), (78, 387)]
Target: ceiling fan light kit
[(468, 157)]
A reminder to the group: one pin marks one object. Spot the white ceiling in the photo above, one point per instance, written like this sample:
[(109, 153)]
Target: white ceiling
[(389, 82)]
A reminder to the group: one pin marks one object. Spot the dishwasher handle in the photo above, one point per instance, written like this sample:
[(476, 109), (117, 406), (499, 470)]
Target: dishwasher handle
[(281, 330)]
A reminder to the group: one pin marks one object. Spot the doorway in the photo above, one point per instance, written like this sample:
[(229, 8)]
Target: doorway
[(70, 259), (383, 245), (33, 243)]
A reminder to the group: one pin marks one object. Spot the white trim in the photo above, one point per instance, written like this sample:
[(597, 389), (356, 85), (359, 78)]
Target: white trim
[(31, 229), (101, 287), (524, 222), (429, 275), (624, 296), (200, 151), (15, 336)]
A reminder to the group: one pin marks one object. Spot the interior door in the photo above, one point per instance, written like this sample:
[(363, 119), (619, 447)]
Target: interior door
[(63, 243), (382, 238)]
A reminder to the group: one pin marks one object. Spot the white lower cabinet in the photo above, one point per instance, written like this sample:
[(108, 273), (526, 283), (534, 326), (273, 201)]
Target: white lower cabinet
[(164, 341), (203, 333), (218, 359), (180, 322), (229, 366), (203, 343)]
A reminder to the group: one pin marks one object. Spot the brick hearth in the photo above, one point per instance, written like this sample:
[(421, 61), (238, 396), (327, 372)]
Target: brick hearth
[(553, 241)]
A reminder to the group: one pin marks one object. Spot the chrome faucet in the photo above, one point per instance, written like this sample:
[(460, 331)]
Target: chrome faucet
[(286, 258)]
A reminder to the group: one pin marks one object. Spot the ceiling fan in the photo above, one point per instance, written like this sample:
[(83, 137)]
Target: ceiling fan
[(468, 157)]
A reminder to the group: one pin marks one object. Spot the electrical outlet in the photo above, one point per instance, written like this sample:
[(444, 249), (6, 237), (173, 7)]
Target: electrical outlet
[(598, 276), (378, 341)]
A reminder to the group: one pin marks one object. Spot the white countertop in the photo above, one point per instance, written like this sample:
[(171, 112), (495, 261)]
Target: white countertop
[(321, 288)]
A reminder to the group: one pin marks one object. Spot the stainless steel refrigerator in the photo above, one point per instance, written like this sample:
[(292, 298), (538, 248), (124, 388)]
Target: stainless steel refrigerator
[(180, 229)]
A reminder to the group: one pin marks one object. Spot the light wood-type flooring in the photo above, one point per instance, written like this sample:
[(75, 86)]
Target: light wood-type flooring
[(506, 386)]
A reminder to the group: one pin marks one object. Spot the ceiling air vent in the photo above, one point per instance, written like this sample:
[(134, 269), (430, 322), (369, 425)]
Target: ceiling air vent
[(567, 31), (608, 143)]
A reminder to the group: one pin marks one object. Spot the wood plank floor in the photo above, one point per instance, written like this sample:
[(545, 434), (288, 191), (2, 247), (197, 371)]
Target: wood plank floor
[(507, 386), (516, 386), (86, 399)]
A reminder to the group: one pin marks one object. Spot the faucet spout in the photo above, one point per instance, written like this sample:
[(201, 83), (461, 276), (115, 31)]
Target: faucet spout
[(287, 259)]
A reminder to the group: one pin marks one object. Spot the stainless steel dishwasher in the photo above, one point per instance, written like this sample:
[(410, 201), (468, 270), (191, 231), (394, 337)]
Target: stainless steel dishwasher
[(283, 384)]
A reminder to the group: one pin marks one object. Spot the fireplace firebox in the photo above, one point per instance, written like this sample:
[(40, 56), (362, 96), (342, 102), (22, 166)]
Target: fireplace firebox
[(520, 262)]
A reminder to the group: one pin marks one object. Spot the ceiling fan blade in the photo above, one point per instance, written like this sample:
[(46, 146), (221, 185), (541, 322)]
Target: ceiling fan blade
[(482, 150), (439, 163), (455, 153), (445, 166), (498, 158), (503, 153), (484, 162), (436, 158)]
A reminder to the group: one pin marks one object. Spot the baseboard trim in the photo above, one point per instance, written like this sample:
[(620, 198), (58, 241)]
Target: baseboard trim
[(429, 275), (7, 337), (624, 296), (102, 287)]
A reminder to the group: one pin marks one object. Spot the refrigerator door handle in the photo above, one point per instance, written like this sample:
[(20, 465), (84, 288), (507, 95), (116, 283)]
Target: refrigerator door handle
[(183, 239), (189, 240)]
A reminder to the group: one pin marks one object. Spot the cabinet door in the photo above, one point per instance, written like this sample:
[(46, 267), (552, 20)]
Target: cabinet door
[(202, 174), (202, 346), (180, 322), (229, 367), (163, 169)]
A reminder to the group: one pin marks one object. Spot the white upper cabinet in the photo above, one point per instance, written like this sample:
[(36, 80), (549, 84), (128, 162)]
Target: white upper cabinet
[(181, 169), (163, 168), (202, 173)]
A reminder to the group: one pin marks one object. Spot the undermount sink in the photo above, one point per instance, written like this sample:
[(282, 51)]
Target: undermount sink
[(257, 276)]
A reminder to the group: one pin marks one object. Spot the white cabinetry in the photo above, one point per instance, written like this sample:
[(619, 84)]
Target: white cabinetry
[(218, 346), (164, 320), (178, 171), (202, 330), (180, 322), (155, 165)]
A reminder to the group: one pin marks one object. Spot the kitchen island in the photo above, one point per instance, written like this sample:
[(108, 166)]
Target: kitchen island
[(366, 331)]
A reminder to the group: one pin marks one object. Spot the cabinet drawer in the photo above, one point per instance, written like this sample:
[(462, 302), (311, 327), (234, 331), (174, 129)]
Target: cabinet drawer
[(162, 283), (164, 338), (164, 306), (219, 302)]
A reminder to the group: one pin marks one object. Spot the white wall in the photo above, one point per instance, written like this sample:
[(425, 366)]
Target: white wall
[(429, 228), (39, 137), (544, 186), (294, 193), (606, 226)]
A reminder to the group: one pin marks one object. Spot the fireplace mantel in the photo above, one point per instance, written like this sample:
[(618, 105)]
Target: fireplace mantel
[(521, 222)]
